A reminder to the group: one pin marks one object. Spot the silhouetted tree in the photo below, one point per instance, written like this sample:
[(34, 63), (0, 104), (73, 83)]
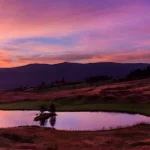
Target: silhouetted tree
[(42, 108), (63, 80), (52, 108), (20, 88), (52, 84), (42, 85), (93, 79), (139, 74)]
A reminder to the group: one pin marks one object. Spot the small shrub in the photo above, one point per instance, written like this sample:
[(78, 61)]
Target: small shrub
[(140, 143), (42, 108), (18, 138), (52, 108), (52, 147)]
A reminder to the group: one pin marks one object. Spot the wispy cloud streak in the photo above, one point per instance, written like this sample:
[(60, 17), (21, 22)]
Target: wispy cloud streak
[(44, 31)]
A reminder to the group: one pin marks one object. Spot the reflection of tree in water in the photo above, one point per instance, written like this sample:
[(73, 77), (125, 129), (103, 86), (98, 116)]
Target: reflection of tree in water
[(43, 122), (52, 121), (52, 110), (43, 117)]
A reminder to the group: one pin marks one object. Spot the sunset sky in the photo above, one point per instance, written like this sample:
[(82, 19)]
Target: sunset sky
[(84, 31)]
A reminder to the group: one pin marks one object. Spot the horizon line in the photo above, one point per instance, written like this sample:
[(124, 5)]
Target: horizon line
[(73, 63)]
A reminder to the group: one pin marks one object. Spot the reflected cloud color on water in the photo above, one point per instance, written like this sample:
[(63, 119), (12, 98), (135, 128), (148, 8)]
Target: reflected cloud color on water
[(73, 120)]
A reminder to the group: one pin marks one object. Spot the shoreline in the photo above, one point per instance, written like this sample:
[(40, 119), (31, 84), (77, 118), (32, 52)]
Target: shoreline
[(135, 137), (142, 109), (75, 111)]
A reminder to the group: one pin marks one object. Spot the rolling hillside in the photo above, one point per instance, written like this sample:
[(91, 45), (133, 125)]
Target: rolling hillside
[(34, 74)]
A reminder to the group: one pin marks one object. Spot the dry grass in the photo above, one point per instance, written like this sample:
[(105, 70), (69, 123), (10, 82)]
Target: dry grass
[(135, 138), (127, 90)]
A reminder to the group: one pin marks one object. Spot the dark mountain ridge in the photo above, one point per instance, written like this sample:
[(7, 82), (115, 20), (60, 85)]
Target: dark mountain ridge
[(34, 74)]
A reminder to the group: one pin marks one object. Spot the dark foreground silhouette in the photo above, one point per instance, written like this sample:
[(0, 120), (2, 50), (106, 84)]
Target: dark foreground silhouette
[(129, 138), (34, 74), (44, 117)]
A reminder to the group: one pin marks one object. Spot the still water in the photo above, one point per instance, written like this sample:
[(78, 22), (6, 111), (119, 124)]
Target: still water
[(73, 120)]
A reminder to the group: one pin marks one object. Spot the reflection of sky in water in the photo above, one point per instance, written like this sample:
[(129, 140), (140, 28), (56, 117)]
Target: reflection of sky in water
[(73, 120)]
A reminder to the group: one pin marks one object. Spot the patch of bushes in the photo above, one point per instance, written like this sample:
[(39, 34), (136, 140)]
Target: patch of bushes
[(42, 108), (52, 147), (140, 143), (18, 138), (3, 144)]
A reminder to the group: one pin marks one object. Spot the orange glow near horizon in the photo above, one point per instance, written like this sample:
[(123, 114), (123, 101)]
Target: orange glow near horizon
[(74, 31)]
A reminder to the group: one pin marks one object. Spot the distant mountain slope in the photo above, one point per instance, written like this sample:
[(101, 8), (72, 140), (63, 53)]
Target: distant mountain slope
[(34, 74)]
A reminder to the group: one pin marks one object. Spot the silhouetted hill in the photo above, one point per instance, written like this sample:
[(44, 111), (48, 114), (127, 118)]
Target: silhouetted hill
[(34, 74)]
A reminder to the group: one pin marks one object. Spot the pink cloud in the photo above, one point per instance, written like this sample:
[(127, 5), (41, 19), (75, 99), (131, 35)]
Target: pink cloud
[(139, 56), (21, 19), (105, 31)]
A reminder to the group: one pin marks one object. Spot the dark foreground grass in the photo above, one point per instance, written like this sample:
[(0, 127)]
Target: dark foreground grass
[(72, 86), (18, 138), (81, 104)]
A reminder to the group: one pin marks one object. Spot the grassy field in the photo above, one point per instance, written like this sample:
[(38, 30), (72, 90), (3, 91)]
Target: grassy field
[(71, 87), (131, 97), (130, 138), (82, 104)]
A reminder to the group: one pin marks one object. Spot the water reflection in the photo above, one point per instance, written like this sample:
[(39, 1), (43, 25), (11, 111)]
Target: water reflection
[(43, 122), (71, 120), (43, 118), (52, 121)]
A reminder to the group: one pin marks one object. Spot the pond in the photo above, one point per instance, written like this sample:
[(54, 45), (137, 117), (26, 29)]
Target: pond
[(72, 120)]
